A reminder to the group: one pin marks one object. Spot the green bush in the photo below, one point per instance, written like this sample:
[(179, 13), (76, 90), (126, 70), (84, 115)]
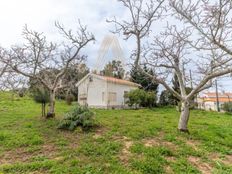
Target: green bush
[(41, 95), (78, 116), (69, 99), (228, 107), (141, 98)]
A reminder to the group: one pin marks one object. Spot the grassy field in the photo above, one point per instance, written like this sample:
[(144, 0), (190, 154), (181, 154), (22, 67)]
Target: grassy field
[(127, 141)]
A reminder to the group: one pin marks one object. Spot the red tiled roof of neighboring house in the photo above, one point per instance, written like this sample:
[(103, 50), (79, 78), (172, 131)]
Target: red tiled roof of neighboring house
[(212, 97), (213, 94), (223, 100)]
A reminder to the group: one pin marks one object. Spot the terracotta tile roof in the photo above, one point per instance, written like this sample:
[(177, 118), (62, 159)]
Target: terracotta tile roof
[(109, 79), (223, 100), (222, 97), (119, 81)]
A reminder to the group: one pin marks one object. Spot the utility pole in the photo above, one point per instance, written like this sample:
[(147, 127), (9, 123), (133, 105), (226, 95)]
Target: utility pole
[(191, 79), (218, 107), (195, 100)]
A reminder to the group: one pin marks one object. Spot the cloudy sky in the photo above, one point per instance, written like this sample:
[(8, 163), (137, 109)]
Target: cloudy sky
[(40, 15)]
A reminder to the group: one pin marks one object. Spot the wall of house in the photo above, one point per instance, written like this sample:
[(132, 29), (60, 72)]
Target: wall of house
[(119, 90), (98, 93), (91, 93), (210, 106)]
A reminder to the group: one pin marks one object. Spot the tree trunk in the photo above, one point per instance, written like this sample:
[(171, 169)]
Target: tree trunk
[(184, 117), (42, 107), (51, 112)]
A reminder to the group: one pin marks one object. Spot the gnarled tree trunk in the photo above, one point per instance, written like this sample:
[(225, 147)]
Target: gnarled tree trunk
[(51, 112), (184, 116)]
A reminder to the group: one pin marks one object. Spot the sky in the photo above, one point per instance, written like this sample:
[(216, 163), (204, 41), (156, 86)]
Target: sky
[(40, 15)]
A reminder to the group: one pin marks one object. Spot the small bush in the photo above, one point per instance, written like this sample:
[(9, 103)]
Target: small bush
[(228, 107), (69, 99), (141, 98), (79, 116)]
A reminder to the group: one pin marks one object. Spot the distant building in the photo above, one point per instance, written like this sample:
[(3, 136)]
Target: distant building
[(98, 91), (208, 100)]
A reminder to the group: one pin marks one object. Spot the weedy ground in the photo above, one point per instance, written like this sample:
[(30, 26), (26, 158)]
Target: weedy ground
[(126, 141)]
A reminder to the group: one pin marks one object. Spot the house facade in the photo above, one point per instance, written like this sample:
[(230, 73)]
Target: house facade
[(208, 100), (98, 91)]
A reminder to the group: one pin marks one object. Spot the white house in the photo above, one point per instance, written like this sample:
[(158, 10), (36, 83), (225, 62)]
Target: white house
[(98, 91)]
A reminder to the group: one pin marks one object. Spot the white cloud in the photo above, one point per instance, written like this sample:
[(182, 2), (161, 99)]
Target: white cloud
[(40, 15)]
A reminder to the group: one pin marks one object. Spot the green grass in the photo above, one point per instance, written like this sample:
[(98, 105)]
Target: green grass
[(126, 141)]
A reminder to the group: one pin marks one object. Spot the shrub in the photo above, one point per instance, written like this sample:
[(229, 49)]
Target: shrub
[(228, 107), (141, 98), (22, 92), (78, 116), (69, 99), (41, 95)]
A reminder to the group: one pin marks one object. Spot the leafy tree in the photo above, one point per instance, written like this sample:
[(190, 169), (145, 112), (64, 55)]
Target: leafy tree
[(73, 75), (228, 107), (146, 83), (141, 98), (165, 98), (141, 78), (168, 99), (176, 86), (114, 69)]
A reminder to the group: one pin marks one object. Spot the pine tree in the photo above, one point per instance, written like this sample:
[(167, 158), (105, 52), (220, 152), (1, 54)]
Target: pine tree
[(142, 79)]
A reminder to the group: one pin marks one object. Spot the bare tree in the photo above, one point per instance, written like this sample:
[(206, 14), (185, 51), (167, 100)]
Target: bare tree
[(208, 31), (3, 66), (201, 43), (13, 82), (143, 13), (47, 63)]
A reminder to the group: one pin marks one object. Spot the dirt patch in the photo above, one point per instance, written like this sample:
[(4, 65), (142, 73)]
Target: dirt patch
[(170, 158), (48, 150), (158, 142), (19, 155), (193, 143), (168, 170), (125, 153), (215, 157), (99, 133), (228, 160), (170, 145), (151, 142), (200, 165), (154, 141), (23, 155)]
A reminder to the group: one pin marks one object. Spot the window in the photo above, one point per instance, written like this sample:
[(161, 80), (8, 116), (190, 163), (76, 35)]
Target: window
[(83, 97), (112, 97), (125, 97), (103, 96)]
